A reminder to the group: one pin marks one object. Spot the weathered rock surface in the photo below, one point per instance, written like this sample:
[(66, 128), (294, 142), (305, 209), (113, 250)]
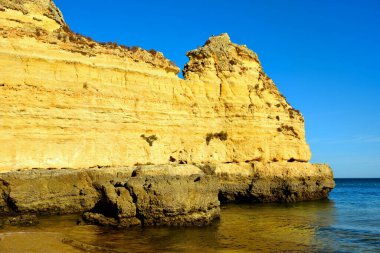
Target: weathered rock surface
[(54, 191), (128, 196), (118, 197), (75, 103), (21, 220), (161, 200), (113, 132), (45, 8), (271, 182)]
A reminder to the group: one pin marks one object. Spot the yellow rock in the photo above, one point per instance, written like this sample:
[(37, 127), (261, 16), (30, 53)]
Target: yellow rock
[(69, 102)]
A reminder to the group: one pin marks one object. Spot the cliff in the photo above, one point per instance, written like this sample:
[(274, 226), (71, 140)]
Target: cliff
[(68, 102)]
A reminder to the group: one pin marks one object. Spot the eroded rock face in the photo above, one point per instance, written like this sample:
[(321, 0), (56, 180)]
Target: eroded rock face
[(75, 103), (113, 132), (161, 200), (54, 191), (40, 7), (116, 207), (191, 200), (291, 182), (143, 195), (272, 182), (118, 197)]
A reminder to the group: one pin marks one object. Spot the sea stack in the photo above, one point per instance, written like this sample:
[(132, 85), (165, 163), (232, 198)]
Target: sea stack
[(113, 132)]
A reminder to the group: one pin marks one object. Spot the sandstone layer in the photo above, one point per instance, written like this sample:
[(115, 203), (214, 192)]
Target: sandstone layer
[(70, 105), (68, 102)]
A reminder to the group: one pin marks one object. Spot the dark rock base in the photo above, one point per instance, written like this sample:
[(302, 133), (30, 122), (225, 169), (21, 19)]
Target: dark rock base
[(179, 195), (155, 201)]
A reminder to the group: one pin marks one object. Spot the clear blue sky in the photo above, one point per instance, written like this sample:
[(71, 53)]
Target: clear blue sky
[(323, 55)]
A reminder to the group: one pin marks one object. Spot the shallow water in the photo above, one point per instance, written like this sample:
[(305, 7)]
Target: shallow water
[(348, 222)]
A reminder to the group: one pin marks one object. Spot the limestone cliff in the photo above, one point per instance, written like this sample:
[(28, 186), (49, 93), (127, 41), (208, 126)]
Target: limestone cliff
[(68, 102)]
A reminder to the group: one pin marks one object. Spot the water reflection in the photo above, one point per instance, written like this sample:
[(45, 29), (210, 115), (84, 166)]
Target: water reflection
[(242, 228), (275, 227)]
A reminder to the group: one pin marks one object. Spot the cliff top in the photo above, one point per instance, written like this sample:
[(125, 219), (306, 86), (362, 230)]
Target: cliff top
[(219, 55), (42, 20), (44, 7)]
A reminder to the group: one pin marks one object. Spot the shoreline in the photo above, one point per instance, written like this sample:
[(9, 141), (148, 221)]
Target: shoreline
[(174, 195)]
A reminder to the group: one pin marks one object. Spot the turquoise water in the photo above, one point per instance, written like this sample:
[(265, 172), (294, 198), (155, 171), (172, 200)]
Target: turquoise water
[(348, 222)]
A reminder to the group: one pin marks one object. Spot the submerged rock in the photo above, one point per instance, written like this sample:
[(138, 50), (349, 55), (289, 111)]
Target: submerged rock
[(24, 220), (82, 246)]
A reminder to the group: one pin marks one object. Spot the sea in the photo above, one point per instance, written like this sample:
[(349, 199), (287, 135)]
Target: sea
[(349, 221)]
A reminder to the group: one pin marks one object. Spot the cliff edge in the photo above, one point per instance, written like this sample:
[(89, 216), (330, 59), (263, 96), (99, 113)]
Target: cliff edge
[(109, 118)]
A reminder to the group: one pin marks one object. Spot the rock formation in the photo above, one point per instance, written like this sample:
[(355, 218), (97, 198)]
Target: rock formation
[(76, 114)]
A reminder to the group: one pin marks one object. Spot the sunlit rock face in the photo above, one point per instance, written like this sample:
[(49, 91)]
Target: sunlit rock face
[(247, 105), (68, 102), (35, 8)]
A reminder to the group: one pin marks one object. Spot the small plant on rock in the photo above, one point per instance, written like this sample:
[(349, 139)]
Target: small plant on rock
[(209, 137), (221, 136), (150, 139)]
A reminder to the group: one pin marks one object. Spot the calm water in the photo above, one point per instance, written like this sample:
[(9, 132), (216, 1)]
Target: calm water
[(348, 222)]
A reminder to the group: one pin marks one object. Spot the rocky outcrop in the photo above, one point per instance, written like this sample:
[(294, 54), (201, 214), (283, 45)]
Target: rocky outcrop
[(275, 182), (162, 200), (155, 195), (119, 197), (114, 132), (45, 8)]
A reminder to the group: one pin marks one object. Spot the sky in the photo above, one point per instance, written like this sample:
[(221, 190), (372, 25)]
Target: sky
[(323, 55)]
